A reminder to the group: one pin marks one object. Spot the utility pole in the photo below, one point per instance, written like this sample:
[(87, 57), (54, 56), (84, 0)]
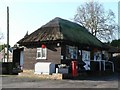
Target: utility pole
[(7, 33), (4, 53)]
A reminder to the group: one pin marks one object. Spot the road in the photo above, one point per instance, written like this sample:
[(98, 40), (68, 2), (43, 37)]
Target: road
[(90, 82)]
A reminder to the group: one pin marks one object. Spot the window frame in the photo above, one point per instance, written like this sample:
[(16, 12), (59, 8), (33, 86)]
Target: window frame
[(40, 50)]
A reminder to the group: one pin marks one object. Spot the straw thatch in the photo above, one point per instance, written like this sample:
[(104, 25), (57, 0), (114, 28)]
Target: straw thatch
[(61, 29), (113, 49)]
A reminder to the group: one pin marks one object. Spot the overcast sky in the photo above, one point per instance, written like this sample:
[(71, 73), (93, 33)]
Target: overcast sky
[(29, 15)]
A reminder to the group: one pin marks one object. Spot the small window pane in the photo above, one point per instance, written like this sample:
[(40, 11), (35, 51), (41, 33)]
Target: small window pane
[(43, 52), (38, 54)]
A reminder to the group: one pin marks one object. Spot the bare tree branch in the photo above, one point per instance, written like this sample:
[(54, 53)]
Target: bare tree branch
[(99, 22)]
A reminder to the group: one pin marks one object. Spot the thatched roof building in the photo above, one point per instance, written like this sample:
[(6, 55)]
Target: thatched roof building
[(60, 41)]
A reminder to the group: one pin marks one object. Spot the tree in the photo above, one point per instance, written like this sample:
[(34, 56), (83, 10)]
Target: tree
[(99, 22)]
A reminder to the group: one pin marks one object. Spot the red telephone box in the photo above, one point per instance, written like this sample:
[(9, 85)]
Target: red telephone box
[(74, 68)]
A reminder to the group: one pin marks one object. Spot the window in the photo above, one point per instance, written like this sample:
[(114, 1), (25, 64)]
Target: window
[(41, 53), (97, 56), (71, 52), (85, 55)]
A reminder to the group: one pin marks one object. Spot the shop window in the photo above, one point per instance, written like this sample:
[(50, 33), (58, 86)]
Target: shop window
[(97, 56), (71, 52), (86, 59), (85, 55), (41, 53)]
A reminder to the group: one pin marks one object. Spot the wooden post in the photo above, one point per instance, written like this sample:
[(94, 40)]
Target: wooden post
[(7, 33)]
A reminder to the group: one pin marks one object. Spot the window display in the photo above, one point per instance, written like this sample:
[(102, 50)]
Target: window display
[(86, 59)]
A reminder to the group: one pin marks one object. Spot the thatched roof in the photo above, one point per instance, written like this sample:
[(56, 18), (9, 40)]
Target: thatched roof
[(61, 29), (113, 49)]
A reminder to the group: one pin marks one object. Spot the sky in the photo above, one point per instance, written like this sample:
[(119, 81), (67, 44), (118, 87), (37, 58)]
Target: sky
[(29, 15)]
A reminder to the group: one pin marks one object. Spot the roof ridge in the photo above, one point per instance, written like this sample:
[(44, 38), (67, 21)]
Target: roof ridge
[(52, 23)]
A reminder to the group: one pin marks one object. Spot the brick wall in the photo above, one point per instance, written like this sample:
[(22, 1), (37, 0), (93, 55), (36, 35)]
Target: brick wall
[(53, 55), (29, 58)]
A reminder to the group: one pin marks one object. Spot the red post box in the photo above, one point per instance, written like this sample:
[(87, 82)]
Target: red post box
[(74, 68)]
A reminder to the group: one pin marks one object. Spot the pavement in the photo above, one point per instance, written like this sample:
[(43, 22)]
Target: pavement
[(14, 81)]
